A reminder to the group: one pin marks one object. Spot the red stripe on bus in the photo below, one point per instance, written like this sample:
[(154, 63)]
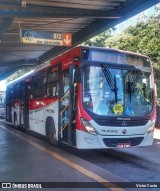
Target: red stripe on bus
[(38, 103)]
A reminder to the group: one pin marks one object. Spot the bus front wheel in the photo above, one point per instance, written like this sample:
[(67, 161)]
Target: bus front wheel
[(50, 130)]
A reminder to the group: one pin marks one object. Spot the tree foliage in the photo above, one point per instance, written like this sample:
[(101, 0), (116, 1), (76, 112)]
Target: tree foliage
[(99, 40)]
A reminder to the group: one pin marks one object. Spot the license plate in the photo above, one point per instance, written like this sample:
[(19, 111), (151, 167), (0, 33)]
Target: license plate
[(123, 145)]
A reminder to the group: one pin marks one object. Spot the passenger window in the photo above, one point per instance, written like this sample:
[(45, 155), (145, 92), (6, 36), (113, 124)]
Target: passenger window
[(39, 85), (52, 89), (52, 82)]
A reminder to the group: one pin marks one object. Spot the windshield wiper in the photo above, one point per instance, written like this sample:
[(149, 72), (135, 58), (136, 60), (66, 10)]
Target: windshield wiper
[(111, 82)]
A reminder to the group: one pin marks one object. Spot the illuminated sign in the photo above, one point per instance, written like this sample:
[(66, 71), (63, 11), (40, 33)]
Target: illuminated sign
[(46, 38), (107, 56), (115, 57)]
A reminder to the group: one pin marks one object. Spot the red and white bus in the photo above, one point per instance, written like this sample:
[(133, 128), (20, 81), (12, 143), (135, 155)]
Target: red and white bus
[(90, 98)]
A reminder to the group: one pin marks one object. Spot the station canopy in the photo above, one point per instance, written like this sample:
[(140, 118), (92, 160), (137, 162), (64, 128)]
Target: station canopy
[(82, 18)]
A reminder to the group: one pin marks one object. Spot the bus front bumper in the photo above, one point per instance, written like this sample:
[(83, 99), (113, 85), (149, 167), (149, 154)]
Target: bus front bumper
[(86, 140)]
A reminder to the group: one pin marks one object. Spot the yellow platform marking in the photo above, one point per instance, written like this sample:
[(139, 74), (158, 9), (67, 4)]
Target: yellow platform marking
[(81, 169)]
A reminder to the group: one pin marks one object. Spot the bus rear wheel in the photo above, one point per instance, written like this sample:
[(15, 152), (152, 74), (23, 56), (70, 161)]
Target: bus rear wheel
[(15, 121)]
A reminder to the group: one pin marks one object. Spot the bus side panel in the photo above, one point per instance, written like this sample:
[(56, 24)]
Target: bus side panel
[(40, 110)]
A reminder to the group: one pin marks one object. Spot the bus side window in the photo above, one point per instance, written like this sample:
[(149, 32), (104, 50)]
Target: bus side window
[(33, 90), (39, 85), (52, 82), (52, 89)]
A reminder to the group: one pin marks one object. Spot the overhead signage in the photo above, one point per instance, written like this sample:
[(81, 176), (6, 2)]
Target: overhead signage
[(46, 38)]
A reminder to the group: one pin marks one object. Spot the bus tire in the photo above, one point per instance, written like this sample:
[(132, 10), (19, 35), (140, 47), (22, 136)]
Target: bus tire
[(15, 121), (50, 130)]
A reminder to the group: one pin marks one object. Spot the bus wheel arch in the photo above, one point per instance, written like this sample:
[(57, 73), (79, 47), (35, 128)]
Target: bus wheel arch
[(50, 130)]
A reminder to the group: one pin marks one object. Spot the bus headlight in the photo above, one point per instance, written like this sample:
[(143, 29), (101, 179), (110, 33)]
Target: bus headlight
[(89, 128), (151, 128)]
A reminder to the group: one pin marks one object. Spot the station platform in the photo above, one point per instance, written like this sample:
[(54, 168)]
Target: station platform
[(27, 159)]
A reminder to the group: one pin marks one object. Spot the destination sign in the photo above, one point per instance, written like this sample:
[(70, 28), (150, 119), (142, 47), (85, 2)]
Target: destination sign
[(46, 38), (115, 57)]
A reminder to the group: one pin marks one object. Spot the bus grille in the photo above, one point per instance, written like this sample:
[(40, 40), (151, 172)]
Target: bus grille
[(117, 123), (113, 142)]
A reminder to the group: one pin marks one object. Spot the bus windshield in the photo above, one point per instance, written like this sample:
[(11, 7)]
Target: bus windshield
[(125, 92)]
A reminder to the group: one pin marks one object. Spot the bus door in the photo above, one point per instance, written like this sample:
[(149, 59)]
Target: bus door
[(26, 105), (67, 105), (24, 113)]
